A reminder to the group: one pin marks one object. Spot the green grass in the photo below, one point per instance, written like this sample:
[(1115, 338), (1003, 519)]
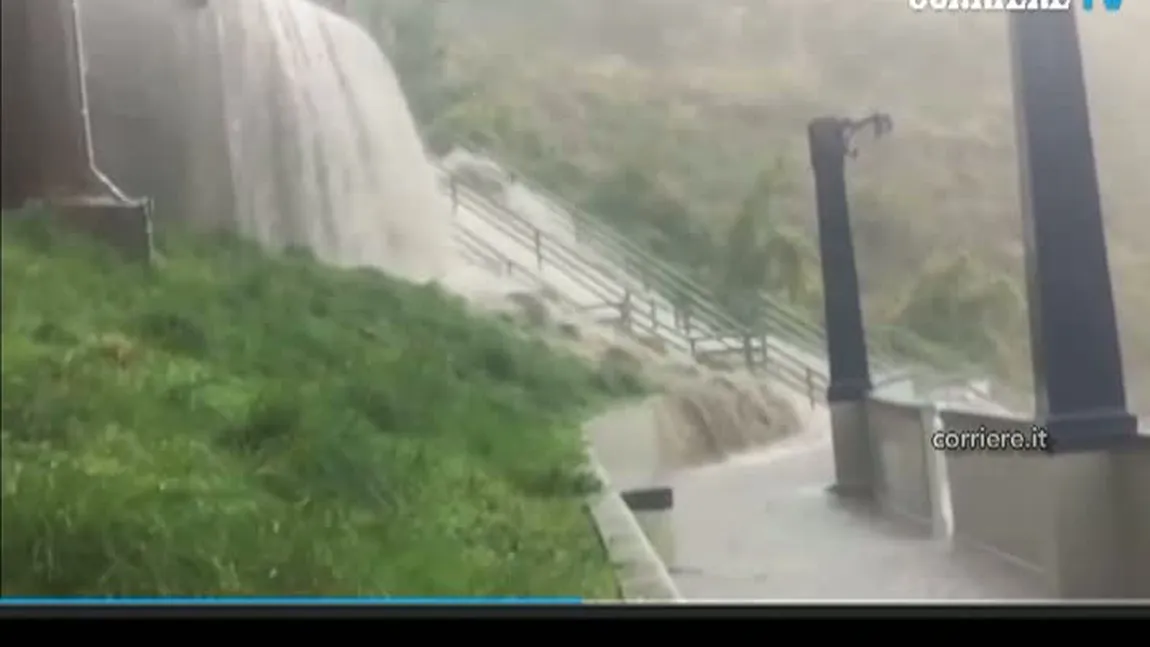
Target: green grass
[(234, 423)]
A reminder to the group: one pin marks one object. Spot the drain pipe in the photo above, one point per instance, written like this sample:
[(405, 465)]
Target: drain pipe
[(128, 224), (106, 183)]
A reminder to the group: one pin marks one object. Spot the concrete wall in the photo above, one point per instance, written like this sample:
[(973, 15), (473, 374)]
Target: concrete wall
[(44, 151), (1134, 520), (155, 94), (999, 501), (903, 471), (1081, 521)]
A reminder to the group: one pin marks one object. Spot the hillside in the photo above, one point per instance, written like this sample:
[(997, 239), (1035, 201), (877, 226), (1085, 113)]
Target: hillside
[(234, 423), (706, 102)]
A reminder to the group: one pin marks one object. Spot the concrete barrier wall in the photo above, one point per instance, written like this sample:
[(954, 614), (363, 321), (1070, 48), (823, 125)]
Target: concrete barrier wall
[(43, 149), (903, 473), (1000, 501), (640, 571), (1080, 521), (1134, 516), (157, 111)]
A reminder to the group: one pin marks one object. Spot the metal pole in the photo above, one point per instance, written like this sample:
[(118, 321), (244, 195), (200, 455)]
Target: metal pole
[(537, 238)]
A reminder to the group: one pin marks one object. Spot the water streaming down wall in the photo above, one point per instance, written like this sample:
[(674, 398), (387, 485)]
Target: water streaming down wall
[(275, 117)]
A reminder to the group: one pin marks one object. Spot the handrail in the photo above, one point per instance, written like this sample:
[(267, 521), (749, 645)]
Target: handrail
[(705, 310), (587, 224), (577, 269), (803, 334), (780, 319), (479, 249), (779, 315), (528, 229), (716, 323), (796, 375), (527, 239)]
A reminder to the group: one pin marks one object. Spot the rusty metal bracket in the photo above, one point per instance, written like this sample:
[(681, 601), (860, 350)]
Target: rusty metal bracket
[(880, 122)]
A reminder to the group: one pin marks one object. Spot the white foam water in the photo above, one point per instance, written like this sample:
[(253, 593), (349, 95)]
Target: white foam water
[(315, 136)]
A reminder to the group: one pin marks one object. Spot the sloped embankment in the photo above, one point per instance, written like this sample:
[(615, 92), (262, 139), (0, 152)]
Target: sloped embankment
[(702, 415), (233, 423)]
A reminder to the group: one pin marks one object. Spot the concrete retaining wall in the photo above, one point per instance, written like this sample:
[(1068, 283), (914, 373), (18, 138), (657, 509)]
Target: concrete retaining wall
[(623, 452), (640, 571), (157, 106), (1134, 477), (43, 148), (1079, 524), (1079, 521), (1000, 501), (902, 457)]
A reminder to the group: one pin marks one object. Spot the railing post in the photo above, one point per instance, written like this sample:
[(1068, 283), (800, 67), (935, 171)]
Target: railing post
[(537, 237), (748, 351), (846, 344), (625, 311)]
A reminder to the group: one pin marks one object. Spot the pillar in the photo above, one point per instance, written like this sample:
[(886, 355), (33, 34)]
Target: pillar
[(1080, 395), (1079, 392), (849, 383)]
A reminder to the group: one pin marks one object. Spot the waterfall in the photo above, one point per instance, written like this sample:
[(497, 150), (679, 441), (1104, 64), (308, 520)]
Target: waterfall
[(277, 118)]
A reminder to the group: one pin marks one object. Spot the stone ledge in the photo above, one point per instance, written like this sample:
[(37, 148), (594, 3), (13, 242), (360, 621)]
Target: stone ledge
[(641, 574)]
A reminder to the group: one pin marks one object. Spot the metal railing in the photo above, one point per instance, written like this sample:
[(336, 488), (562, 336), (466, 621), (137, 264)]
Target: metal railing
[(797, 344), (614, 297), (796, 327)]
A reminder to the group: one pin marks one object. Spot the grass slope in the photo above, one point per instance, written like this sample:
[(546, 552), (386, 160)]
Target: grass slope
[(239, 424)]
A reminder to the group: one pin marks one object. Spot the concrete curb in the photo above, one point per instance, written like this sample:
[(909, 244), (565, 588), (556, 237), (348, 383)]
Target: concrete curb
[(641, 574)]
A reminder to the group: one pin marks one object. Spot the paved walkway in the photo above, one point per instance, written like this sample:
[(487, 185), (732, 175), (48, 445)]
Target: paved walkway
[(762, 527), (626, 441)]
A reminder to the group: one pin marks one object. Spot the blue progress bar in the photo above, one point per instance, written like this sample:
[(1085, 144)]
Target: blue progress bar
[(281, 601)]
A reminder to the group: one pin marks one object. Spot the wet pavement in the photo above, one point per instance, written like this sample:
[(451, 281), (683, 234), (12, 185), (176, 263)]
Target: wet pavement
[(763, 527)]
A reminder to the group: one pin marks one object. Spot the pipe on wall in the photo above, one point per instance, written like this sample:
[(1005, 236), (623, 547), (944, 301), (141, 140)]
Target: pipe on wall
[(105, 182)]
